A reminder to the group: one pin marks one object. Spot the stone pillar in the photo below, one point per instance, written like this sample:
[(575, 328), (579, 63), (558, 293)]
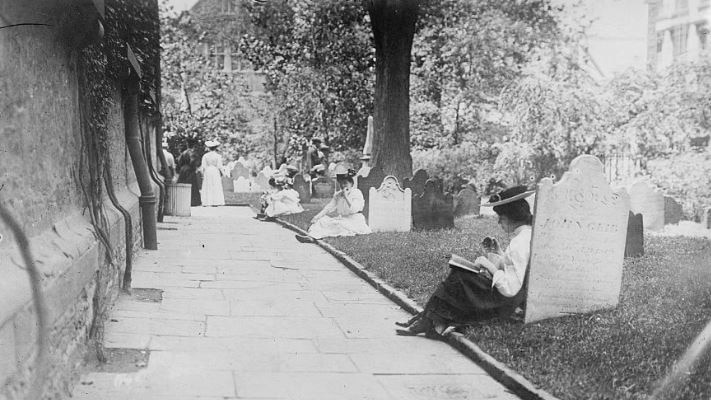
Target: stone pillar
[(367, 149)]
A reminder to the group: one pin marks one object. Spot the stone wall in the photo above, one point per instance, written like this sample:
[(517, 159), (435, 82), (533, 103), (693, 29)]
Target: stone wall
[(39, 161)]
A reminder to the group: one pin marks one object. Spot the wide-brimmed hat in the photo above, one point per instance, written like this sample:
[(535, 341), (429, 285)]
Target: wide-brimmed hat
[(508, 196), (212, 143)]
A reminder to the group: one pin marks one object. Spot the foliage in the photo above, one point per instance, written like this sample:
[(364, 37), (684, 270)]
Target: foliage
[(687, 178), (467, 161), (465, 53), (317, 59)]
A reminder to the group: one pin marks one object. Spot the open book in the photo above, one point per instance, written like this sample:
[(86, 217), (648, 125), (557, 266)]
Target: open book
[(457, 261)]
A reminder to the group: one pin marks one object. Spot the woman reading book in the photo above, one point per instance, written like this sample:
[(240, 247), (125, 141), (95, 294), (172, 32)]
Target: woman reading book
[(493, 284)]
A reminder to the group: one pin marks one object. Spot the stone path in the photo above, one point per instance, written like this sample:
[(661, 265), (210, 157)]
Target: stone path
[(250, 313)]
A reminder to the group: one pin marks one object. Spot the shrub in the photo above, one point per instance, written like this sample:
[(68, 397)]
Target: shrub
[(687, 178)]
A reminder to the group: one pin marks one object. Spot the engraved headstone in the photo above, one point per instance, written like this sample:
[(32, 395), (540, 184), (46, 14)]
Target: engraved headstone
[(373, 179), (466, 202), (417, 182), (578, 243), (261, 182), (227, 184), (303, 187), (390, 207), (672, 211), (239, 170), (433, 209), (647, 200), (634, 244), (242, 185)]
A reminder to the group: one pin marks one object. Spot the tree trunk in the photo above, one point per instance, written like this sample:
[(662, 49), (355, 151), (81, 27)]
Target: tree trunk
[(393, 23)]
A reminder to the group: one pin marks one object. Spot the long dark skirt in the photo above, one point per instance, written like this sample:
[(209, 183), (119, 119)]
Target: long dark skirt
[(189, 175), (466, 297)]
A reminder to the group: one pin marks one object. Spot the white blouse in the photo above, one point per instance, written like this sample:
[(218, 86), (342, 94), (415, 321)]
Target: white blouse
[(509, 278), (339, 205)]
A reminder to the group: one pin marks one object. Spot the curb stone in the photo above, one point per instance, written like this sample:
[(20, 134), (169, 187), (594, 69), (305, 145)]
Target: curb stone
[(519, 385)]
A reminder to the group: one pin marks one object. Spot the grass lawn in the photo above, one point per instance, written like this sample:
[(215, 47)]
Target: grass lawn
[(615, 354)]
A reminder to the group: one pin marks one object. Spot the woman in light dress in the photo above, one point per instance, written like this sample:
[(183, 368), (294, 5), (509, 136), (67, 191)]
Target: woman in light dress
[(211, 192), (342, 215), (281, 199)]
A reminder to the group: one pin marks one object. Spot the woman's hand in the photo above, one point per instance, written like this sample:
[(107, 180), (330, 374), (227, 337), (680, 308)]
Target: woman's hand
[(487, 264)]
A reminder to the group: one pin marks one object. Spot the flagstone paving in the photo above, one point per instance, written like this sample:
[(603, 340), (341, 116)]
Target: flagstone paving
[(247, 312)]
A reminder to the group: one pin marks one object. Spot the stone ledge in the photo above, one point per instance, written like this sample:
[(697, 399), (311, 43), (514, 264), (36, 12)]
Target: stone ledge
[(521, 386)]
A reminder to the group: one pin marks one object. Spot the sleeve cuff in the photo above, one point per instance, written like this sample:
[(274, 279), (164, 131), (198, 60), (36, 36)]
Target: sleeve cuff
[(498, 275)]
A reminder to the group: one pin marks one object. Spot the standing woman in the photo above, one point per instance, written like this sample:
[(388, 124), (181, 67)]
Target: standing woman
[(212, 194), (188, 164), (466, 297), (342, 215)]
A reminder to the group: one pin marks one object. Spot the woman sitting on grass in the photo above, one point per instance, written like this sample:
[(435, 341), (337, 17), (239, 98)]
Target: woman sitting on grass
[(465, 296), (281, 199), (342, 215)]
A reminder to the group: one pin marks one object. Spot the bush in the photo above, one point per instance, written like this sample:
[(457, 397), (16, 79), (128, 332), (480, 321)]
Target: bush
[(687, 178), (466, 161)]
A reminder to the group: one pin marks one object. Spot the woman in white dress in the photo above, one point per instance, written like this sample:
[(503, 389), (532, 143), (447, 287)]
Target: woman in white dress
[(284, 200), (211, 192), (342, 215)]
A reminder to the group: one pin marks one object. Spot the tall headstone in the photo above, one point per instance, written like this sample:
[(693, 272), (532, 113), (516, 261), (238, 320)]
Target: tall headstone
[(373, 179), (433, 209), (242, 185), (647, 200), (578, 243), (390, 207), (239, 170), (417, 182), (634, 244), (323, 187), (672, 211), (466, 202), (303, 187), (227, 184)]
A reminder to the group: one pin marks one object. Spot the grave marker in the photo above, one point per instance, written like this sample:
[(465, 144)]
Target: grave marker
[(238, 171), (417, 182), (303, 187), (578, 243), (433, 209), (634, 244), (647, 200), (323, 187), (373, 179), (466, 202), (242, 185), (261, 182), (227, 184), (390, 207), (672, 211)]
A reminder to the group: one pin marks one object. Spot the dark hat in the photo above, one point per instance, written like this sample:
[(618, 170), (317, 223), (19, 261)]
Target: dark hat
[(341, 171), (508, 196)]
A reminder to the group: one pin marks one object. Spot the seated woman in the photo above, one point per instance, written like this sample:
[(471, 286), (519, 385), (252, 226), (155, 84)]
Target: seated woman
[(342, 215), (466, 297), (281, 199)]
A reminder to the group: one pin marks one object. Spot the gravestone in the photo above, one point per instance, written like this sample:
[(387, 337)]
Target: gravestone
[(417, 182), (672, 211), (466, 202), (373, 179), (578, 243), (227, 184), (647, 200), (707, 218), (303, 187), (261, 182), (242, 185), (323, 187), (433, 209), (238, 171), (634, 244), (390, 207)]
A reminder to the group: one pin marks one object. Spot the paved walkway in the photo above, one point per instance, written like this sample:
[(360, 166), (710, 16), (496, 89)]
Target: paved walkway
[(250, 313)]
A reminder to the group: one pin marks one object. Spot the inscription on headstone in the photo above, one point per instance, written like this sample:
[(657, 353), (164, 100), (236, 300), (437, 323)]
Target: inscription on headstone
[(634, 245), (466, 202), (373, 179), (672, 211), (433, 209), (303, 187), (390, 207), (578, 243), (647, 200)]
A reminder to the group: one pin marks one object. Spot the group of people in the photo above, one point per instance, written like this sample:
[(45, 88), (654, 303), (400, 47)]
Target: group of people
[(203, 172), (497, 288)]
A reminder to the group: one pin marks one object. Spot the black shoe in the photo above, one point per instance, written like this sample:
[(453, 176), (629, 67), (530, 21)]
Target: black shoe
[(409, 322), (422, 325), (305, 239)]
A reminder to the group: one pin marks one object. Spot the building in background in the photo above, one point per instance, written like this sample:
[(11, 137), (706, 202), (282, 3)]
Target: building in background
[(677, 31)]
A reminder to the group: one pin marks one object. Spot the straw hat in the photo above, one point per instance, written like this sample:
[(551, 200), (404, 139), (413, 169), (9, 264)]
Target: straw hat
[(508, 196), (212, 143)]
